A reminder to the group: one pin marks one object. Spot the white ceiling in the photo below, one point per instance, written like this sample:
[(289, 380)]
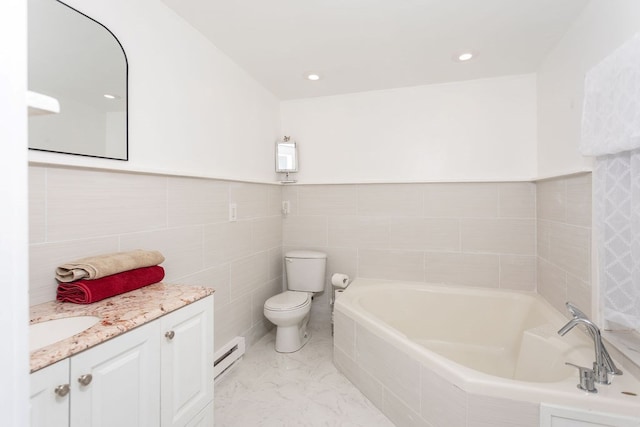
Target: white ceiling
[(361, 45)]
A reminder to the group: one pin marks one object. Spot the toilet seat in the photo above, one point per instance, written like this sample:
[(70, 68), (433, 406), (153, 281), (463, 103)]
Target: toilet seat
[(287, 300)]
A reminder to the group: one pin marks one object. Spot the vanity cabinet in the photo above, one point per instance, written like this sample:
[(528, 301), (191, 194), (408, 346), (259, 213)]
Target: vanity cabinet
[(187, 363), (50, 395), (116, 383), (158, 374)]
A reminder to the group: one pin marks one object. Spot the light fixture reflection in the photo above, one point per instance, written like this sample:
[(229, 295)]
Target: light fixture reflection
[(465, 56)]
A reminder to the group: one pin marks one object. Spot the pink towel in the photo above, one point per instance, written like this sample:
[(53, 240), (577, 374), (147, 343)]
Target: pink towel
[(88, 291)]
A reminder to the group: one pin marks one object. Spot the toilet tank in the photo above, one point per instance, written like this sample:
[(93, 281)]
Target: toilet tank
[(305, 270)]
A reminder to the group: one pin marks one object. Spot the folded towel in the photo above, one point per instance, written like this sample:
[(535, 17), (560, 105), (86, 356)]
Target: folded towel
[(106, 265), (88, 291)]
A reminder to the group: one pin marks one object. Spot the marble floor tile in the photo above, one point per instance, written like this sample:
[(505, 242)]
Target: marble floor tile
[(304, 388)]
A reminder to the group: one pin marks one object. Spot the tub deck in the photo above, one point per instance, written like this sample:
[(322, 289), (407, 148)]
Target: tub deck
[(420, 349)]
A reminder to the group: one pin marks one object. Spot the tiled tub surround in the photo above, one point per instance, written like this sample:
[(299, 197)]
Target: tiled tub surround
[(564, 240), (564, 217), (474, 234), (74, 213), (380, 352), (117, 314)]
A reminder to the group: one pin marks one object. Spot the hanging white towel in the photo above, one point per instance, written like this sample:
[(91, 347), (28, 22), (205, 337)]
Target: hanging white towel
[(611, 111)]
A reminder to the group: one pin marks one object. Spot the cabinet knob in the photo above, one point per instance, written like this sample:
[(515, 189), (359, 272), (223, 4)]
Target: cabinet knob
[(85, 379), (62, 390), (170, 335)]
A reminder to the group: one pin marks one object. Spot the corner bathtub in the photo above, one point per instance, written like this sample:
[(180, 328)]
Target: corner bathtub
[(439, 355)]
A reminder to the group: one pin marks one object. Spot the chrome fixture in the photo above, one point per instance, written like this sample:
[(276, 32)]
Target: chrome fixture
[(587, 378), (611, 367), (603, 365)]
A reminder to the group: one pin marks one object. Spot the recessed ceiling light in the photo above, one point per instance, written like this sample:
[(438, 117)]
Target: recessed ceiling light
[(464, 56), (312, 76)]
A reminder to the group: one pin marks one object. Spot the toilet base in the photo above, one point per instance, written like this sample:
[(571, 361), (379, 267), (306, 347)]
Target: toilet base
[(292, 338)]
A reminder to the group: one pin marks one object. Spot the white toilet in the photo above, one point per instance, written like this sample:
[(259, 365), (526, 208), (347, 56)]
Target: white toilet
[(289, 310)]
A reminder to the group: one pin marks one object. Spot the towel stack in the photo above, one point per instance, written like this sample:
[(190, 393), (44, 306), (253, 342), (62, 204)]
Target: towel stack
[(92, 279)]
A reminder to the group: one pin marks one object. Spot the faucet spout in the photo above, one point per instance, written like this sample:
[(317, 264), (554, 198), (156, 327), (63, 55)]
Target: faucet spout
[(608, 361), (598, 366), (603, 365)]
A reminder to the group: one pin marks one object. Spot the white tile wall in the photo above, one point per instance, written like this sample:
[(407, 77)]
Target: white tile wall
[(252, 200), (517, 272), (365, 382), (327, 200), (478, 234), (463, 269), (305, 231), (499, 236), (517, 200), (398, 372), (442, 403), (76, 213), (400, 413), (225, 241), (344, 335), (564, 240), (193, 201), (247, 274), (461, 200), (83, 204), (394, 200)]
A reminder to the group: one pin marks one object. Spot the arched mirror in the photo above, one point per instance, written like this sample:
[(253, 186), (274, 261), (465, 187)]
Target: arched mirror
[(79, 63)]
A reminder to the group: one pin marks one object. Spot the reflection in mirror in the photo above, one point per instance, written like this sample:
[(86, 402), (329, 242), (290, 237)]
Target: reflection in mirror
[(286, 158), (79, 62)]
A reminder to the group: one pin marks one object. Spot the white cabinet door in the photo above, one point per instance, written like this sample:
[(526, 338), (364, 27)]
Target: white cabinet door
[(116, 383), (187, 362), (49, 396), (204, 418)]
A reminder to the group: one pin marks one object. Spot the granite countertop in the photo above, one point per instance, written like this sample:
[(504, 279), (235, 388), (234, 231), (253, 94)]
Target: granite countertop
[(118, 315)]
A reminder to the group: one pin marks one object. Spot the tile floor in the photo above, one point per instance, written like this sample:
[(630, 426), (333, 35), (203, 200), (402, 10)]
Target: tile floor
[(296, 389)]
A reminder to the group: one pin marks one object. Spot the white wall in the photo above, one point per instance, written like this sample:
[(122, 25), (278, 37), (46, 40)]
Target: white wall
[(602, 27), (14, 393), (467, 131), (191, 109)]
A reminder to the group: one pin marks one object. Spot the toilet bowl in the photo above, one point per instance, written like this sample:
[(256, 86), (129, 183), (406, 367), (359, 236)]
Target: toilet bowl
[(290, 310)]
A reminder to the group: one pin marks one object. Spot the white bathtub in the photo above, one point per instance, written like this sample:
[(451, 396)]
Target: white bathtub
[(424, 350)]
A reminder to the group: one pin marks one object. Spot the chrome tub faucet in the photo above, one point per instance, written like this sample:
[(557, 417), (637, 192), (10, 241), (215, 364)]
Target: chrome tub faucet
[(603, 365)]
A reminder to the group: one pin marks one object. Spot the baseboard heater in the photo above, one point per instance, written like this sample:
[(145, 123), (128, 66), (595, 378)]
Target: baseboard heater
[(226, 356)]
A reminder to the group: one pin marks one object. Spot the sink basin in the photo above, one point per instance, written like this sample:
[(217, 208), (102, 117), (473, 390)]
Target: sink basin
[(44, 333)]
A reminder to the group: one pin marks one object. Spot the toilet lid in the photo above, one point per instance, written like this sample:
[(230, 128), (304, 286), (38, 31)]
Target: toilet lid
[(287, 300), (304, 254)]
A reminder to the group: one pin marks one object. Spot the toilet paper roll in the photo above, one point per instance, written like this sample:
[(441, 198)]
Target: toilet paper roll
[(340, 280), (338, 293)]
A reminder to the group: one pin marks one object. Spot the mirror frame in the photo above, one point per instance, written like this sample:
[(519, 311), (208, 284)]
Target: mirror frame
[(280, 145), (126, 101)]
